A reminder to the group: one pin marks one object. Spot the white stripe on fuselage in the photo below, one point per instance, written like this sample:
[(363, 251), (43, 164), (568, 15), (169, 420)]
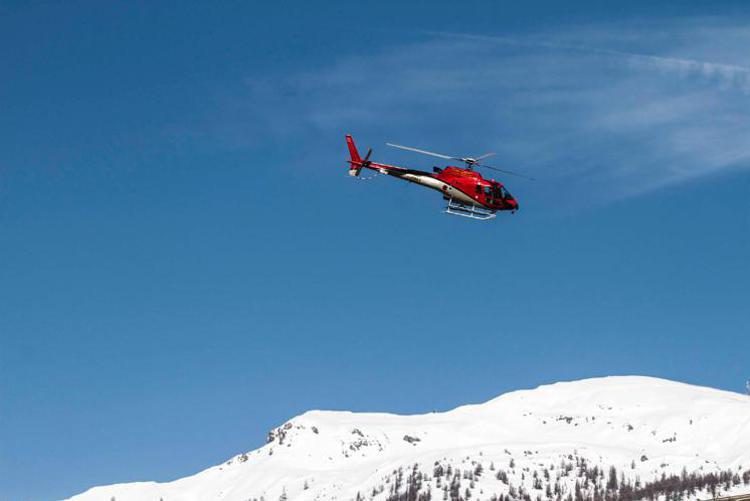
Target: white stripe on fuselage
[(437, 184)]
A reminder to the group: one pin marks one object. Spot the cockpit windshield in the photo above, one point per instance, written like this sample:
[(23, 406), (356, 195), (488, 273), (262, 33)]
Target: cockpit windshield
[(500, 192)]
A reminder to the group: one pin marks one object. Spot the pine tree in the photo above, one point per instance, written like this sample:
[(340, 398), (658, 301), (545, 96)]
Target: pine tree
[(612, 482), (478, 470)]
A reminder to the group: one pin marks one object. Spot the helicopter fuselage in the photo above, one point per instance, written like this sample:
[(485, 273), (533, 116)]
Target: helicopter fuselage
[(462, 185)]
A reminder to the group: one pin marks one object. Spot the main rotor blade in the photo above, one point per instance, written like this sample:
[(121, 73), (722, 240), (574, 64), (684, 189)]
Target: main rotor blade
[(474, 161), (409, 148), (506, 172), (485, 156)]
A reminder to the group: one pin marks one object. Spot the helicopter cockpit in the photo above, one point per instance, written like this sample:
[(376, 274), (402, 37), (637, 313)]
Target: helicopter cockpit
[(497, 192)]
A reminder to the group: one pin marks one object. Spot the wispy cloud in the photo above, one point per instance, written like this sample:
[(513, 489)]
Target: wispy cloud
[(727, 74), (580, 109)]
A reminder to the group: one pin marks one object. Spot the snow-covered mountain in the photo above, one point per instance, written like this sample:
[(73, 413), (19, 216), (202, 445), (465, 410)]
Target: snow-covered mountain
[(581, 439)]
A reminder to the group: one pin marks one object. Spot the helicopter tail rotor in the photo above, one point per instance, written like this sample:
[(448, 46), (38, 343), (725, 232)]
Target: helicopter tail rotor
[(356, 163)]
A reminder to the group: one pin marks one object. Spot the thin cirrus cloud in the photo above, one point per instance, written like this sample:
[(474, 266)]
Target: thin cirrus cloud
[(727, 75), (577, 108)]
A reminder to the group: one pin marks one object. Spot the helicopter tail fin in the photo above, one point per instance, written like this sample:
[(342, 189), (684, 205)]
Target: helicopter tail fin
[(355, 163)]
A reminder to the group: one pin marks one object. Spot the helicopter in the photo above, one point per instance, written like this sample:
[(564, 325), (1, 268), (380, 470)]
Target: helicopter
[(468, 194)]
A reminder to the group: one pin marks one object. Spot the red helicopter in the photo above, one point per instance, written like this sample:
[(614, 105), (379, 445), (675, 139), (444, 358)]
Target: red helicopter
[(467, 192)]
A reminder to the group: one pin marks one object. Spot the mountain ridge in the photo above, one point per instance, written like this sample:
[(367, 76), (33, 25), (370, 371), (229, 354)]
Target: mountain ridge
[(642, 426)]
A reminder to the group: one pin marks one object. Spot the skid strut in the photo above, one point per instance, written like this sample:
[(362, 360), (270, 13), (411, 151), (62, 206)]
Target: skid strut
[(470, 211)]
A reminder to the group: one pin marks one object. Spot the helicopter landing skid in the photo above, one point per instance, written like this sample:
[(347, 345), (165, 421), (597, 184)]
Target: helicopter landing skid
[(470, 211)]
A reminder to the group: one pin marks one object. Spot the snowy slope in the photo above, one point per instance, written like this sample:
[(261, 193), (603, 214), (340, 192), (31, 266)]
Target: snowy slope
[(642, 426)]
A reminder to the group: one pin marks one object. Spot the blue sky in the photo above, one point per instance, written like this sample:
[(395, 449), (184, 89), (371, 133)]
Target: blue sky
[(184, 262)]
